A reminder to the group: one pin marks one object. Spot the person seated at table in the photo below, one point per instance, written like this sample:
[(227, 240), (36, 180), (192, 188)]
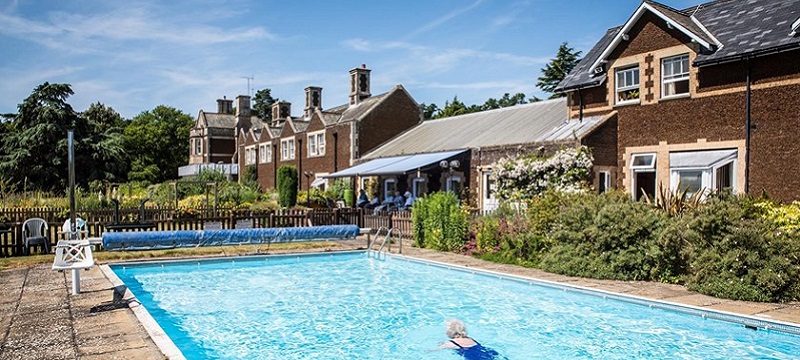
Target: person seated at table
[(387, 202), (409, 201), (362, 199), (398, 200), (373, 203)]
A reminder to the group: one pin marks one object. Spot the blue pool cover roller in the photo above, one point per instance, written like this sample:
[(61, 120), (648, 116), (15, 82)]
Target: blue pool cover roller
[(149, 240)]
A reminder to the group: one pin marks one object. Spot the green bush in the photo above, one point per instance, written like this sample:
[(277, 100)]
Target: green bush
[(606, 236), (287, 186), (736, 251), (444, 224)]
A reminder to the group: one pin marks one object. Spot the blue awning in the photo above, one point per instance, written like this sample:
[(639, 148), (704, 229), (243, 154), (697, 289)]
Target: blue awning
[(395, 165)]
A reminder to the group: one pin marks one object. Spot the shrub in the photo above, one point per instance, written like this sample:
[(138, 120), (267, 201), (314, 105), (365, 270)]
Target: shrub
[(736, 251), (527, 176), (444, 223), (605, 236), (287, 186)]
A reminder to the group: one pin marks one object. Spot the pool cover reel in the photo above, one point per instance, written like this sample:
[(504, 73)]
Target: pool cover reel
[(149, 240)]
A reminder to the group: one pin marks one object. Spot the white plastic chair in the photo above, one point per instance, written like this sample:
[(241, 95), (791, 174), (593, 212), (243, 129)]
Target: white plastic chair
[(34, 232), (80, 229)]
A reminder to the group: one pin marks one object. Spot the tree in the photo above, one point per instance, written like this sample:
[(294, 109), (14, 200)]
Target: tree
[(106, 143), (557, 69), (455, 108), (158, 143), (287, 186), (35, 150), (505, 101), (428, 111), (262, 104)]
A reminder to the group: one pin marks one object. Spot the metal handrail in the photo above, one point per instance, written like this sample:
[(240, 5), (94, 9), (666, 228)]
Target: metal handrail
[(386, 240)]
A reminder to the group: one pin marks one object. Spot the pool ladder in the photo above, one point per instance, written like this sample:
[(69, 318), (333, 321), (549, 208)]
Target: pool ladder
[(387, 238)]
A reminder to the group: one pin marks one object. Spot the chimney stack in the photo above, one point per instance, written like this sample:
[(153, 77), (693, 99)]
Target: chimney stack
[(359, 84), (224, 106), (281, 111), (243, 113), (313, 100)]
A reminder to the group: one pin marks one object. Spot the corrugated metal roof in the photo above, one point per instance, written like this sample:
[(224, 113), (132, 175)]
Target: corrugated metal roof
[(512, 125), (573, 129)]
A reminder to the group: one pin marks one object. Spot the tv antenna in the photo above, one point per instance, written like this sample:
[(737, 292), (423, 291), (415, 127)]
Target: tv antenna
[(249, 79)]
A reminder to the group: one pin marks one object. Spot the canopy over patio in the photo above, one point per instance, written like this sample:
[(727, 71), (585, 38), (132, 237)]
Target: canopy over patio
[(395, 165)]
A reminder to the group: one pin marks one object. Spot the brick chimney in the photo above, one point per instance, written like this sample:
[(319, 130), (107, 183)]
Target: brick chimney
[(359, 84), (281, 110), (313, 100), (243, 113), (224, 106)]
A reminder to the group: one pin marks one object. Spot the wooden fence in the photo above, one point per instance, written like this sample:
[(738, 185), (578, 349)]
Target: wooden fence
[(155, 219)]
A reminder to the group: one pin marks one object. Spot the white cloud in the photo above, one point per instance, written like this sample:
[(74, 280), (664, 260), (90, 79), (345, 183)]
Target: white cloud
[(443, 19)]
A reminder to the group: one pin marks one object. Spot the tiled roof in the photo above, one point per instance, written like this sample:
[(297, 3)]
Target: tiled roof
[(748, 27), (519, 124), (345, 113), (215, 120), (735, 27), (582, 75)]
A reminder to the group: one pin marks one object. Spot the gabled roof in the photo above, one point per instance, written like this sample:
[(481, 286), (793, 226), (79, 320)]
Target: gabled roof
[(346, 112), (519, 124), (224, 121), (678, 20), (735, 28)]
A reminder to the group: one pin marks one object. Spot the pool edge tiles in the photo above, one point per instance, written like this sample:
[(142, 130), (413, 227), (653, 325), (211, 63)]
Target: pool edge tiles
[(730, 317)]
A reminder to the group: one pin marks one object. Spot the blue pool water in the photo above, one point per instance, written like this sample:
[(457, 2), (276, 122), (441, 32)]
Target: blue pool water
[(350, 306)]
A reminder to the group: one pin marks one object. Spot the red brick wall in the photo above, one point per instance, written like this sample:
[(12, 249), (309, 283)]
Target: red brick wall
[(396, 114), (603, 143), (782, 66)]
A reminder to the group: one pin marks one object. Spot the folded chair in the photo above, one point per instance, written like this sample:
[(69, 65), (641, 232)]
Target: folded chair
[(34, 232)]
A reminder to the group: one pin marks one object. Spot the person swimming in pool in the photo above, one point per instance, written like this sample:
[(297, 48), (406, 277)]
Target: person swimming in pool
[(466, 346)]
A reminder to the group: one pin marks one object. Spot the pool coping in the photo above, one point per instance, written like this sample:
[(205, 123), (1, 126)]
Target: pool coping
[(170, 350), (748, 321)]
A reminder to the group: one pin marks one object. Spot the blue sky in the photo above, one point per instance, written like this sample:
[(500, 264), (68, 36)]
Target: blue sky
[(136, 55)]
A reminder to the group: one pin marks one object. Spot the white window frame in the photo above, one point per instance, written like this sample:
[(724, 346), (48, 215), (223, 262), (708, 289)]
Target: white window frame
[(624, 86), (454, 178), (709, 176), (264, 153), (287, 149), (647, 167), (250, 155), (386, 186), (198, 146), (316, 144), (604, 178), (674, 78)]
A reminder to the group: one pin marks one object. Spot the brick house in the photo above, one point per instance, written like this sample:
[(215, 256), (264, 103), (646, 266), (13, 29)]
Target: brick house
[(212, 139), (702, 98), (457, 153), (322, 141)]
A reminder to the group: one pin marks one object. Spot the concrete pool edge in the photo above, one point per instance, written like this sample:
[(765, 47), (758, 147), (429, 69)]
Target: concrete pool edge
[(720, 315), (154, 330)]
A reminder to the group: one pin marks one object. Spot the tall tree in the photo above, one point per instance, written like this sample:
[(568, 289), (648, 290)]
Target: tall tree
[(505, 101), (454, 108), (106, 145), (262, 104), (35, 152), (557, 69), (158, 142)]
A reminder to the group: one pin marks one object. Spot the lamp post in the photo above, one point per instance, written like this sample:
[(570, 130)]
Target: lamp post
[(308, 175)]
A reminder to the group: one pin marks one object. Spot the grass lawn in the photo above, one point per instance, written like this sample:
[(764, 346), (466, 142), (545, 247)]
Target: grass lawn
[(111, 256)]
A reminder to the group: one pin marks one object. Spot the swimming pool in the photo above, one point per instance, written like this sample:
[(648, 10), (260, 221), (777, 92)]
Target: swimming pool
[(347, 305)]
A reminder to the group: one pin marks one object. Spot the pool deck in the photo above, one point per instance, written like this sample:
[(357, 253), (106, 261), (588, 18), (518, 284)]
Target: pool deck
[(39, 319)]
